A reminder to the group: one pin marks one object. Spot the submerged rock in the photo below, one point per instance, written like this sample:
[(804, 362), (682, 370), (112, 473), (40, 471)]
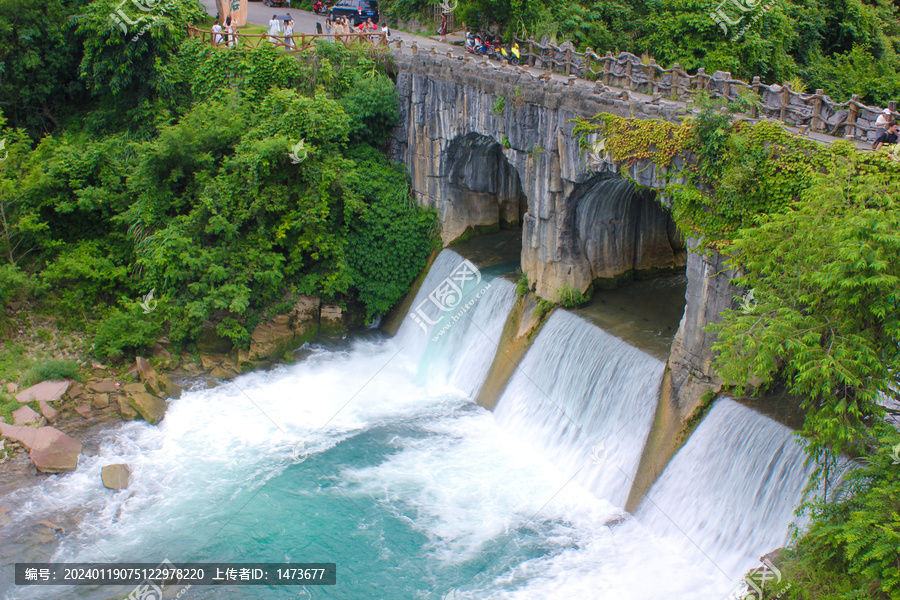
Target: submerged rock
[(116, 477), (151, 408), (54, 452)]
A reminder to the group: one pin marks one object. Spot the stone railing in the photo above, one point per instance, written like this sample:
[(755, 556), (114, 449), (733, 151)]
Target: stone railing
[(301, 41), (817, 112)]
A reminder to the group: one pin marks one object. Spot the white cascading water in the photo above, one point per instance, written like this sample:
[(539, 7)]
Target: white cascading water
[(455, 322), (587, 399), (728, 496)]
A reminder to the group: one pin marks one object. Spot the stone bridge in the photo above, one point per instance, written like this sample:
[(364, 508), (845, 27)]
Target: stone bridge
[(492, 147)]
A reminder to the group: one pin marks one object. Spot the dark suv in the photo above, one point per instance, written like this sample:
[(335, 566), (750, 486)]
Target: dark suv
[(356, 11)]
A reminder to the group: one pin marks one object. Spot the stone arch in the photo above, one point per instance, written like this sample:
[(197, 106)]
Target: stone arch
[(610, 229), (482, 189)]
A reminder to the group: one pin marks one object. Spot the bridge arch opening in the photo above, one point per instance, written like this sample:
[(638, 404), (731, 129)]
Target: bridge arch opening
[(483, 188)]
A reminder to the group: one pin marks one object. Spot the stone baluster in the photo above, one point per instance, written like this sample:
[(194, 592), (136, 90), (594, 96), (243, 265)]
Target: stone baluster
[(587, 63), (568, 61), (530, 53), (415, 48), (608, 62), (852, 115), (701, 79), (785, 101), (756, 86), (676, 80), (651, 76), (816, 122)]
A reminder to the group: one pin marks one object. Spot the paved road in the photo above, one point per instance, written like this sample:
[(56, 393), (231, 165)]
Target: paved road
[(305, 22)]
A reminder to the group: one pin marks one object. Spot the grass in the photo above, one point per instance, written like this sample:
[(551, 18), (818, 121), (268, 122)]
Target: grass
[(54, 368)]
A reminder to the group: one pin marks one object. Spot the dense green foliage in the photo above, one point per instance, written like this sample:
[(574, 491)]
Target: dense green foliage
[(845, 46), (813, 231), (226, 181)]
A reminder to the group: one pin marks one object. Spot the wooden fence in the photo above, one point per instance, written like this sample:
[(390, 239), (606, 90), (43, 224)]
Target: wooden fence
[(297, 43), (816, 111)]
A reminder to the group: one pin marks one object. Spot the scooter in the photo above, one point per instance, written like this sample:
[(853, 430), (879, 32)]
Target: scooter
[(512, 57), (320, 8)]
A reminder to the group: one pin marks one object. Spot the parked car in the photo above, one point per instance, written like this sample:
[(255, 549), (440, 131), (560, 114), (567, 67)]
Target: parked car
[(356, 11)]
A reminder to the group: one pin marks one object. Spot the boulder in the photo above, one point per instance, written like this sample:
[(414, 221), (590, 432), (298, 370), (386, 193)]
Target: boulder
[(84, 410), (104, 387), (331, 320), (19, 433), (173, 390), (25, 415), (54, 452), (134, 388), (12, 388), (47, 411), (76, 390), (144, 369), (222, 373), (286, 331), (210, 361), (48, 391), (128, 413), (150, 408), (100, 401), (115, 477)]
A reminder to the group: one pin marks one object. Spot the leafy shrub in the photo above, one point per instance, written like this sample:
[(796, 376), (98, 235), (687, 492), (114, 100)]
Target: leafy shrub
[(570, 297), (55, 368), (126, 331), (522, 286), (371, 105), (14, 283), (499, 106)]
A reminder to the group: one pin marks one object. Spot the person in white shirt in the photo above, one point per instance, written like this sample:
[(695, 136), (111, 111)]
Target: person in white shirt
[(217, 33), (274, 29), (288, 33), (229, 31), (881, 123)]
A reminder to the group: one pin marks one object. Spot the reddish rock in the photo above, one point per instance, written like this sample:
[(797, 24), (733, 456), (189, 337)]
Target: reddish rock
[(47, 411), (115, 477), (48, 391), (144, 369), (104, 387), (25, 415), (54, 452), (19, 433), (76, 390), (84, 410), (12, 388), (100, 401)]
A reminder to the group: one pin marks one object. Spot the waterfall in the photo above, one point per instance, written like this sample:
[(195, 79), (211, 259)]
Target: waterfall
[(587, 400), (728, 495), (455, 322)]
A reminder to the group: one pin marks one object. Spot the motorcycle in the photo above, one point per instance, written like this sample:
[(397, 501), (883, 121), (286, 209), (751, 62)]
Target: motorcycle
[(321, 8), (513, 57)]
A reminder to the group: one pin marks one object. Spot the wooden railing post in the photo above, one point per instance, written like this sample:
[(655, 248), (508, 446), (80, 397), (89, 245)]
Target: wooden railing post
[(816, 122), (852, 115), (785, 100)]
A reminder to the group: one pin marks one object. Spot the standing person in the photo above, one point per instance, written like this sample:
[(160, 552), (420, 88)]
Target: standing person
[(217, 34), (329, 27), (229, 31), (443, 30), (888, 137), (289, 33), (274, 29), (881, 123)]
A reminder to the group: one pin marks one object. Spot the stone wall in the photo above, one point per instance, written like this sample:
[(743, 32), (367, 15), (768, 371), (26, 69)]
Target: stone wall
[(486, 146)]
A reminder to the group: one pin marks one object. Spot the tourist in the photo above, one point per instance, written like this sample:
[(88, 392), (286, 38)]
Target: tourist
[(443, 30), (888, 137), (329, 27), (881, 123), (367, 25), (217, 34), (229, 31), (289, 33), (274, 29)]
